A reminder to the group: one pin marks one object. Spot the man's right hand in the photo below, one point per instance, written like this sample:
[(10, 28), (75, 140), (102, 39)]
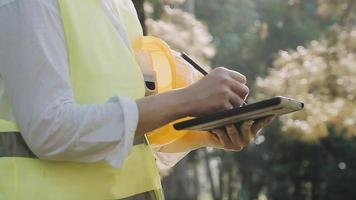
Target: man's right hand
[(221, 89)]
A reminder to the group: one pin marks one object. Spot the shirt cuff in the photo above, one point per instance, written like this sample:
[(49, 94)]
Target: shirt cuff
[(130, 115)]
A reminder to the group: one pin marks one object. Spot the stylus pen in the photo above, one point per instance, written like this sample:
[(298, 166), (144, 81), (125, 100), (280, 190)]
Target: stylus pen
[(197, 66)]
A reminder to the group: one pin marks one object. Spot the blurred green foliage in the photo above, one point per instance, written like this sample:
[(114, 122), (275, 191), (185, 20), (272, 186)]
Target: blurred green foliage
[(247, 35)]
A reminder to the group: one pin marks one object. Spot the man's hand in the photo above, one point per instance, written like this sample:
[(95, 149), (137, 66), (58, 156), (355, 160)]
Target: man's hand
[(236, 138), (221, 89), (231, 138)]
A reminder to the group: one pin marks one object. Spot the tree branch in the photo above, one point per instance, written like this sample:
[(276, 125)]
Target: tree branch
[(348, 11)]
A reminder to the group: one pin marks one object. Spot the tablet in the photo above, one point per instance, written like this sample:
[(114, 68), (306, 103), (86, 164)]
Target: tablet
[(274, 106)]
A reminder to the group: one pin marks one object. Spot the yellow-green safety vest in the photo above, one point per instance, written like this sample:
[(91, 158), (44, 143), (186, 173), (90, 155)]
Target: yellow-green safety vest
[(101, 66)]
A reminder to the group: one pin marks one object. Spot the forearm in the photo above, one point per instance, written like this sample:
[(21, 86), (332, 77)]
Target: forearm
[(81, 133), (158, 110)]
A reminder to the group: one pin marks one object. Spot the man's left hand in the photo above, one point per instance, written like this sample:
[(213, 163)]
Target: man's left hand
[(234, 138), (230, 138)]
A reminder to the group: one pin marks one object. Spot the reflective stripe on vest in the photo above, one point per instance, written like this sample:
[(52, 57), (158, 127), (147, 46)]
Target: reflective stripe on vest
[(12, 145), (101, 66)]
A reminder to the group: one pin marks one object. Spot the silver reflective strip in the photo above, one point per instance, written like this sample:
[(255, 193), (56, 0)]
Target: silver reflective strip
[(151, 195), (139, 140), (13, 145)]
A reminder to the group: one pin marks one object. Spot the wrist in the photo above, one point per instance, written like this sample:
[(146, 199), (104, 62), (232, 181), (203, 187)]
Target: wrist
[(158, 110), (186, 106)]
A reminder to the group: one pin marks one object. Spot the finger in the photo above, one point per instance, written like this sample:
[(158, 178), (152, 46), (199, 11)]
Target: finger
[(269, 119), (238, 77), (213, 139), (235, 100), (223, 138), (245, 131), (240, 89), (261, 123), (234, 136), (229, 104)]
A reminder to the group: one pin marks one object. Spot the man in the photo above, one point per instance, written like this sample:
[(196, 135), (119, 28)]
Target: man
[(69, 82)]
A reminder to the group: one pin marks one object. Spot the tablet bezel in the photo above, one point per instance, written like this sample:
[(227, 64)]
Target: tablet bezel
[(274, 106)]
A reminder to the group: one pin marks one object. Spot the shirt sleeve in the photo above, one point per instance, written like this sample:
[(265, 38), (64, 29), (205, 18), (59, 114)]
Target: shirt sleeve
[(35, 71)]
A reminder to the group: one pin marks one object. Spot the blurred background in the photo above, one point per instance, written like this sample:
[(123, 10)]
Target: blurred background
[(305, 49)]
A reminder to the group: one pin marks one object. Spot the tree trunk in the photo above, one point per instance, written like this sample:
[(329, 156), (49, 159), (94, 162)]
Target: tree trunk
[(141, 14), (210, 176), (189, 6), (316, 190), (297, 194)]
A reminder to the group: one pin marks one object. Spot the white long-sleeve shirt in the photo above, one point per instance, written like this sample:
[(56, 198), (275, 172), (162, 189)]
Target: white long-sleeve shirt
[(35, 90)]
